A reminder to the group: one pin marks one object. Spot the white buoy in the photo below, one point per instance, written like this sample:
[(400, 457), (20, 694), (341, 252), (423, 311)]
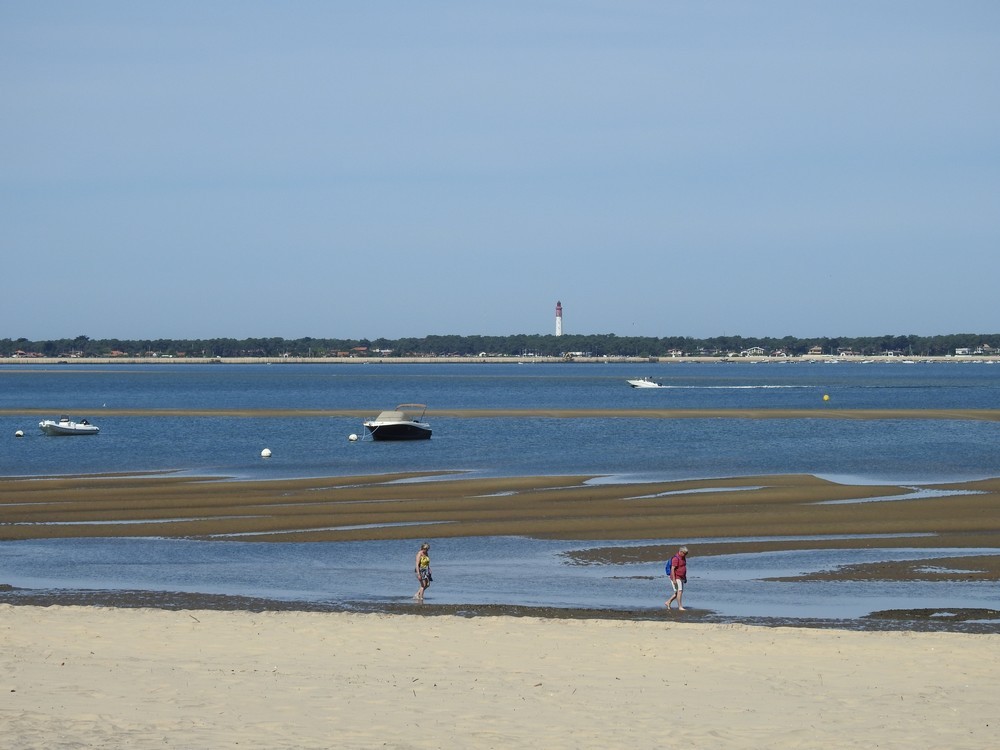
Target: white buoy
[(266, 453), (352, 437), (19, 433)]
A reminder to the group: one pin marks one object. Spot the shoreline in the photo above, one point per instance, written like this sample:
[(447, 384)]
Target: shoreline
[(969, 621), (501, 360)]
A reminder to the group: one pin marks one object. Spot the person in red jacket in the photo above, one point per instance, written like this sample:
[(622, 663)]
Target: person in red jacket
[(678, 577)]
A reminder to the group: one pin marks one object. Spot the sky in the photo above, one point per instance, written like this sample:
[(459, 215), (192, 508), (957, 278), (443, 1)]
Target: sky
[(333, 169)]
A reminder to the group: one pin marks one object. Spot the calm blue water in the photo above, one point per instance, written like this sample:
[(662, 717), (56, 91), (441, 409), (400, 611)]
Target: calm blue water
[(537, 573), (886, 450)]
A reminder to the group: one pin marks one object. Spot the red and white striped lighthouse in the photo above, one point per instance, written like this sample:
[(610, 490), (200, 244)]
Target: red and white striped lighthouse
[(558, 318)]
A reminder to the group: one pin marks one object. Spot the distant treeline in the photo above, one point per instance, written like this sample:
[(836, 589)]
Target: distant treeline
[(597, 345)]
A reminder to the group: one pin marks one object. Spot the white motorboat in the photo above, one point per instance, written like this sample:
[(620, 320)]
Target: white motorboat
[(65, 426), (645, 383), (405, 422)]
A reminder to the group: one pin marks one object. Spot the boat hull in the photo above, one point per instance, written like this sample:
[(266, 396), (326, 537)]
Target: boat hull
[(50, 427), (398, 431)]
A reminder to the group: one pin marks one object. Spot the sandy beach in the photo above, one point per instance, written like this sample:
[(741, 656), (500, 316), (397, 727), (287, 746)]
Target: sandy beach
[(93, 677)]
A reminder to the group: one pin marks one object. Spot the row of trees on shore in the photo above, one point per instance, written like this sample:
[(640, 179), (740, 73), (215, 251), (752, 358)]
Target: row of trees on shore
[(597, 345)]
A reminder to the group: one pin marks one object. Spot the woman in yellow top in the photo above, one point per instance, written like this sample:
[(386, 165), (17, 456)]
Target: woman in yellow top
[(422, 567)]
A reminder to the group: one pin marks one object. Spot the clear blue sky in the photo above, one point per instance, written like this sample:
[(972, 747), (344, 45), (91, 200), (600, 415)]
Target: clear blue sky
[(197, 169)]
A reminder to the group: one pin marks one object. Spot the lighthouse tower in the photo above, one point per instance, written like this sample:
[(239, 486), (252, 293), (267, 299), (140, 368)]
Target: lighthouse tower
[(558, 318)]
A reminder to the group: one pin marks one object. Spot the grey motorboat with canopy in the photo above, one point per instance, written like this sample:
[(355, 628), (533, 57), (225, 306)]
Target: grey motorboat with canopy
[(405, 422)]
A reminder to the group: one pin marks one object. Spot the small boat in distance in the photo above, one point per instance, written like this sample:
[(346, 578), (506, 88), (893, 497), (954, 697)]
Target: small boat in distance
[(645, 383), (67, 427), (402, 423)]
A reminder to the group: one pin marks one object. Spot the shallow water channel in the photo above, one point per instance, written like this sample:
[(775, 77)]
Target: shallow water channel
[(489, 572)]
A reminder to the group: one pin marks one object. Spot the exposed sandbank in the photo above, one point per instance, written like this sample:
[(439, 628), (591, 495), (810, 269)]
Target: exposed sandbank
[(739, 510), (820, 412)]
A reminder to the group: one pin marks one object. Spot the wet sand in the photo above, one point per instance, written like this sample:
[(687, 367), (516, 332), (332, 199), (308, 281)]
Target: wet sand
[(820, 412), (738, 511)]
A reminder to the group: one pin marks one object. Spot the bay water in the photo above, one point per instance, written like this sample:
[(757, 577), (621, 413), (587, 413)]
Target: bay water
[(637, 448)]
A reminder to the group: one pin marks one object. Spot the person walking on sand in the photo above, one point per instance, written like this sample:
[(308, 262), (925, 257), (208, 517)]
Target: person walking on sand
[(422, 567), (678, 577)]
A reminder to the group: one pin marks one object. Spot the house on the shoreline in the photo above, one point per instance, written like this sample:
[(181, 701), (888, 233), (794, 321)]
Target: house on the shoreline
[(982, 349)]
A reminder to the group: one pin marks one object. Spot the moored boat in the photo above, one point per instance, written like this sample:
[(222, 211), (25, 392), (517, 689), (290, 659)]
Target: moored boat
[(405, 422), (65, 426)]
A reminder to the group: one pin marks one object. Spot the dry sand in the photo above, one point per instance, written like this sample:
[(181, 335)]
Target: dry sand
[(91, 677)]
